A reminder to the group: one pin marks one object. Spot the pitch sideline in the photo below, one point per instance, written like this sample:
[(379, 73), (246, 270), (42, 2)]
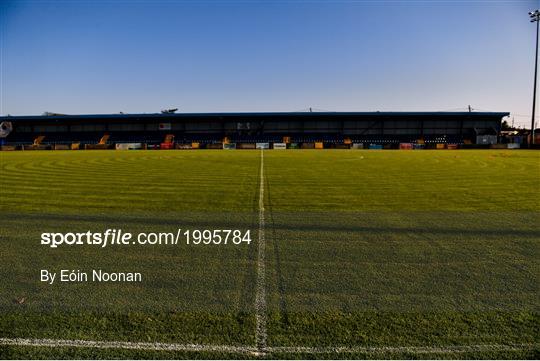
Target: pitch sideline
[(260, 296), (158, 346)]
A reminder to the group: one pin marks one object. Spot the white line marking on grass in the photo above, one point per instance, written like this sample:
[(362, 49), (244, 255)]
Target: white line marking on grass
[(158, 346), (411, 349), (260, 296), (146, 346)]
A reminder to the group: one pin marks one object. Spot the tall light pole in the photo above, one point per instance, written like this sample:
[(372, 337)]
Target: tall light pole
[(535, 18)]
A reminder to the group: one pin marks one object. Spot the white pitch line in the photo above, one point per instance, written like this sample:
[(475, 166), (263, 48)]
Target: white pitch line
[(158, 346), (148, 346), (413, 349), (260, 296)]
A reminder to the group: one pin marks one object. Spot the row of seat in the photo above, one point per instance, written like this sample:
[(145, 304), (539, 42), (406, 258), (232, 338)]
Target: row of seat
[(157, 138)]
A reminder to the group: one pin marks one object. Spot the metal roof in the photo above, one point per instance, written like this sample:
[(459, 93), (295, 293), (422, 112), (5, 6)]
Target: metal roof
[(246, 114)]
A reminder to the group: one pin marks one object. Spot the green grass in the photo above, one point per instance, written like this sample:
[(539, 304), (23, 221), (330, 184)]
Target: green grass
[(363, 248)]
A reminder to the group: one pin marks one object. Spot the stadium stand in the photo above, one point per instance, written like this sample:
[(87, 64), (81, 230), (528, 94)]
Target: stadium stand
[(210, 130)]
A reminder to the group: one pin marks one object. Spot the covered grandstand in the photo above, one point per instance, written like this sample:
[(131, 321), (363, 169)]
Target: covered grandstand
[(382, 128)]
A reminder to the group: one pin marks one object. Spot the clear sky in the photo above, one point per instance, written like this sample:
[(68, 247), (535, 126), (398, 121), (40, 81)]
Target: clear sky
[(206, 56)]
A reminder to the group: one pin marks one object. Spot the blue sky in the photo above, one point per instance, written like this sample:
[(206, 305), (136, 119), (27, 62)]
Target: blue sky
[(205, 56)]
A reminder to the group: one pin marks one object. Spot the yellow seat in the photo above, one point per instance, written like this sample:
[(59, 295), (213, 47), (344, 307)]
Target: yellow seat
[(39, 139), (104, 139)]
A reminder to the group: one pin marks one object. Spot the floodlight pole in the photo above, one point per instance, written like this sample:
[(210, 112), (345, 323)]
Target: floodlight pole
[(535, 18)]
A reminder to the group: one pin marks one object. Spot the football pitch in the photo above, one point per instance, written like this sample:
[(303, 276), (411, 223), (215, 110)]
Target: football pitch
[(352, 254)]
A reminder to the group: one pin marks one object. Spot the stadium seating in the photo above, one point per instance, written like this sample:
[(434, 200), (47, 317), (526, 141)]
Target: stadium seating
[(155, 139)]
